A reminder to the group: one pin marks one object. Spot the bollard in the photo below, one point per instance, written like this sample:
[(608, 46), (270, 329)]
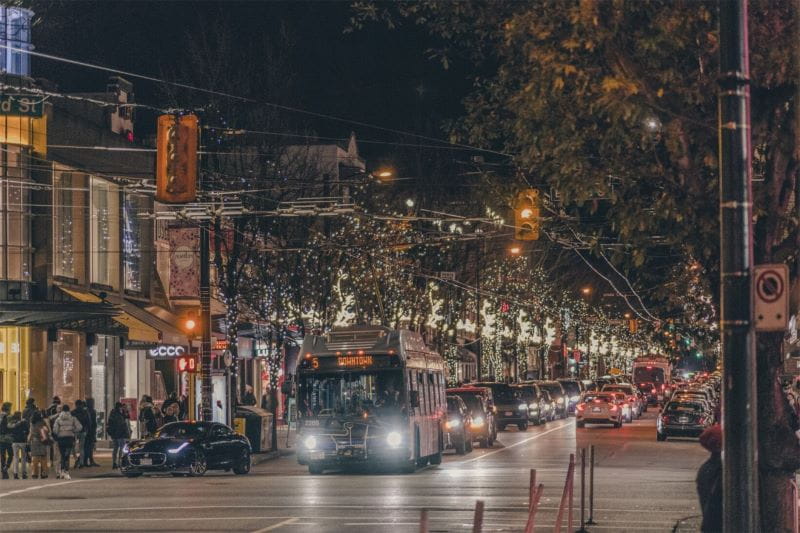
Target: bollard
[(591, 521), (583, 491), (423, 521), (532, 490), (477, 522), (571, 489)]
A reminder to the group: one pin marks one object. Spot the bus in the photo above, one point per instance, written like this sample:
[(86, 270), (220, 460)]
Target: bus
[(653, 375), (369, 395)]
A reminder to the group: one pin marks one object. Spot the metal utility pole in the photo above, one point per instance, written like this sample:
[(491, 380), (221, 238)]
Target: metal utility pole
[(478, 332), (205, 322), (739, 409)]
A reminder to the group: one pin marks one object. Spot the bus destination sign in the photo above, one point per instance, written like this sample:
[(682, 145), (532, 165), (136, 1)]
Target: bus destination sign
[(346, 362)]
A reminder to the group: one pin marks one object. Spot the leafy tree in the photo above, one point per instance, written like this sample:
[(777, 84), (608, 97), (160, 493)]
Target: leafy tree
[(613, 105)]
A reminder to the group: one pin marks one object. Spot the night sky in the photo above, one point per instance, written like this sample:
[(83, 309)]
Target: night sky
[(371, 75)]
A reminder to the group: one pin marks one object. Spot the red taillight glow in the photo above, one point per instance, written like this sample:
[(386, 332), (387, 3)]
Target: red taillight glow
[(580, 407), (654, 391), (613, 408)]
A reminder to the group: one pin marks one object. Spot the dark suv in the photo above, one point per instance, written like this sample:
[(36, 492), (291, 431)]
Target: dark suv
[(573, 388), (511, 408), (559, 396), (537, 403)]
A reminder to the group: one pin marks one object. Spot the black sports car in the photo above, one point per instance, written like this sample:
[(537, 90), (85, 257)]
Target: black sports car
[(188, 448)]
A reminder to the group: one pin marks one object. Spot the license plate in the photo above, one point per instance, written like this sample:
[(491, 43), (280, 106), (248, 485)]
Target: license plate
[(683, 420), (509, 413), (316, 456), (145, 461), (596, 409)]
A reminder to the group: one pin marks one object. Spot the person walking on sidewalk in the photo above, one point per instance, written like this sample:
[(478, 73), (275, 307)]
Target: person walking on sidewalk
[(6, 440), (91, 434), (19, 434), (30, 408), (709, 481), (55, 408), (119, 430), (82, 415), (39, 441), (66, 428), (147, 417)]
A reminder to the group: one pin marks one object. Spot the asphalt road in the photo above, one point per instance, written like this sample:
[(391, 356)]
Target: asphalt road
[(640, 485)]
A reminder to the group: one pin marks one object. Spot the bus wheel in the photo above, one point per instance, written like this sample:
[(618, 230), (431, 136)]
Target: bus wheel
[(315, 469), (435, 459)]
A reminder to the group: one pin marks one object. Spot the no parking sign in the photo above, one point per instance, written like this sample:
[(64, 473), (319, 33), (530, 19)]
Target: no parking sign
[(771, 288)]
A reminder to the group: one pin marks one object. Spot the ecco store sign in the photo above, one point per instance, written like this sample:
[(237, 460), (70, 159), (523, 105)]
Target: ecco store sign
[(166, 351)]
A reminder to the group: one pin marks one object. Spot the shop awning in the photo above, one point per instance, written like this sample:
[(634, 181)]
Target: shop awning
[(137, 329), (53, 314), (169, 333)]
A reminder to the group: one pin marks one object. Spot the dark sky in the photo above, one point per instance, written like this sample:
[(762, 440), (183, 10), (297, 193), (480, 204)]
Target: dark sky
[(372, 75)]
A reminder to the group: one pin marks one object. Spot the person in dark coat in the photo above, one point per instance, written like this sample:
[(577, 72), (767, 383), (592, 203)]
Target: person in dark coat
[(82, 416), (119, 430), (91, 435), (30, 409), (19, 434), (709, 481), (249, 398), (171, 400), (54, 409), (6, 439)]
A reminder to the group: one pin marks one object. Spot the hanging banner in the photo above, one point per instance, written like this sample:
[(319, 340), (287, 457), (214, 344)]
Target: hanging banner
[(184, 263)]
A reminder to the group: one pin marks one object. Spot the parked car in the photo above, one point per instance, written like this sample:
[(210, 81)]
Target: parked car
[(559, 396), (483, 428), (187, 448), (598, 408), (683, 418), (457, 433), (510, 409)]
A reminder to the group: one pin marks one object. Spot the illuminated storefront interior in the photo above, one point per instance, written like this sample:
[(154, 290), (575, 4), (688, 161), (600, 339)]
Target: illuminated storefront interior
[(14, 365)]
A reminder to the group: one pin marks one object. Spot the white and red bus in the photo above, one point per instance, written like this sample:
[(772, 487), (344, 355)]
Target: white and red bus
[(369, 395), (652, 374)]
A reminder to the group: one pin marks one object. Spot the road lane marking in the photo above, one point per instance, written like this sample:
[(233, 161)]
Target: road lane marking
[(168, 519), (534, 437), (39, 487), (286, 522)]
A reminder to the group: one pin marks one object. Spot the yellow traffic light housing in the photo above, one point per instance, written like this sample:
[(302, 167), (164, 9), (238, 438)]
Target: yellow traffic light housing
[(526, 215), (176, 159)]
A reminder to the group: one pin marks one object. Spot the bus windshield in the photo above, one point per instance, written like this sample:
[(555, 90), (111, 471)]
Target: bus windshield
[(351, 394), (653, 374)]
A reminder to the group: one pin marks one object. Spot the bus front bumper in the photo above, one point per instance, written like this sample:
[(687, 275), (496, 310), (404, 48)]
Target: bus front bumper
[(353, 455)]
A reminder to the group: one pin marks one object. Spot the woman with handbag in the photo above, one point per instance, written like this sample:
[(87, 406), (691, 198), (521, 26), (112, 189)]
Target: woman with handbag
[(39, 441)]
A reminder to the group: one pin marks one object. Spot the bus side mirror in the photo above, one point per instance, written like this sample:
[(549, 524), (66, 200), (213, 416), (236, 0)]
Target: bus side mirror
[(286, 388), (413, 398)]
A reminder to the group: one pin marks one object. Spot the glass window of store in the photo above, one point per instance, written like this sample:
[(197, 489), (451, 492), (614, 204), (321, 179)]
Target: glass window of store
[(15, 238), (67, 367), (105, 246), (133, 233), (106, 376), (70, 193)]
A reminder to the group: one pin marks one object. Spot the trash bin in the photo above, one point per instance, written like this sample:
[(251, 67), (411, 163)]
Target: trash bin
[(257, 427)]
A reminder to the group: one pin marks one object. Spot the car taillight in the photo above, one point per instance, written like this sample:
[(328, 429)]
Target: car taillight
[(654, 391), (580, 407), (665, 419), (613, 408)]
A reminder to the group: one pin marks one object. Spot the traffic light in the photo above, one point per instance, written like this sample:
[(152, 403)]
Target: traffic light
[(526, 215), (187, 363), (190, 324), (176, 159), (633, 325)]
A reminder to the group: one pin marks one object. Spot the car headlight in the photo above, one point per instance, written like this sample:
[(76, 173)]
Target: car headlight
[(310, 442), (394, 439), (574, 398), (477, 421), (179, 448), (560, 401), (454, 423), (523, 407), (533, 407)]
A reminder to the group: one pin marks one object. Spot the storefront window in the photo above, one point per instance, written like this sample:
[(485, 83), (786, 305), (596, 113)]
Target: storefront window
[(69, 224), (105, 248), (66, 367), (14, 369), (15, 239), (132, 239), (107, 368)]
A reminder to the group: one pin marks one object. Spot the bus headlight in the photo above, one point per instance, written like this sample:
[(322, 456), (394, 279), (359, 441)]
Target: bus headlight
[(311, 442), (477, 421), (454, 423), (394, 439), (574, 398), (523, 407), (533, 407)]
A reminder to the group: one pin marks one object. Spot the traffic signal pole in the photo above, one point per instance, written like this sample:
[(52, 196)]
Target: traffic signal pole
[(739, 409), (205, 322)]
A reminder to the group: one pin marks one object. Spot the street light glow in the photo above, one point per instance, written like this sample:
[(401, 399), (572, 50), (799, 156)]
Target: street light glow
[(410, 202), (586, 290), (515, 250)]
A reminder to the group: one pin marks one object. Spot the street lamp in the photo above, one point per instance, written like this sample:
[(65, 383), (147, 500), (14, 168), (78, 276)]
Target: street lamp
[(515, 250), (586, 291)]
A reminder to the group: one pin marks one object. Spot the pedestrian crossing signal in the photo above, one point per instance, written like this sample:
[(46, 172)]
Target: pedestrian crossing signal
[(187, 363)]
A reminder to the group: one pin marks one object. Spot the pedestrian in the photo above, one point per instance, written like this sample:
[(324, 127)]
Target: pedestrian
[(54, 409), (119, 431), (39, 442), (249, 398), (82, 415), (30, 409), (147, 417), (19, 434), (171, 414), (709, 481), (171, 400), (66, 428), (6, 440), (183, 403), (91, 435)]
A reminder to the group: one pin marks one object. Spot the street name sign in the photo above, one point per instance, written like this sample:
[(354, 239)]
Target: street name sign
[(771, 295), (21, 105)]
